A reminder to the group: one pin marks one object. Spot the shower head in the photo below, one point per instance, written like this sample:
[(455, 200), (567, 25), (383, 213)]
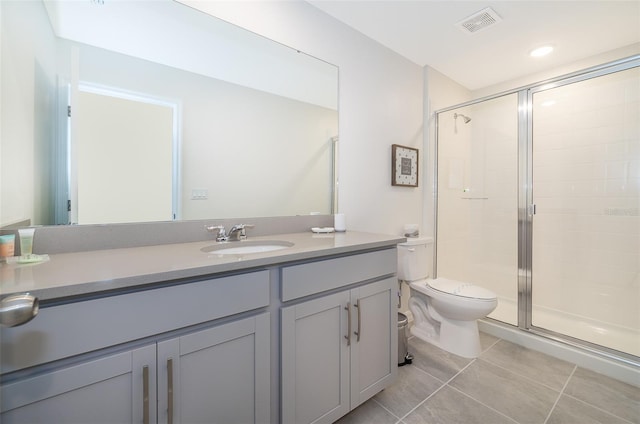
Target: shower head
[(466, 119)]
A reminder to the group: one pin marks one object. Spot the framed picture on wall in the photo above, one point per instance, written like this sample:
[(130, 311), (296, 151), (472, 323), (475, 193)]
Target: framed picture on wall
[(404, 166)]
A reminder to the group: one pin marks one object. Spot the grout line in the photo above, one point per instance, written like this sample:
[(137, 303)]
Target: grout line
[(447, 384), (566, 383), (598, 408), (437, 390), (431, 375), (492, 345), (386, 409), (399, 420), (482, 403), (444, 383), (521, 375)]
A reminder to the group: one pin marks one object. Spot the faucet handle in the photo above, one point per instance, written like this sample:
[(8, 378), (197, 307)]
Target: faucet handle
[(220, 231), (238, 231)]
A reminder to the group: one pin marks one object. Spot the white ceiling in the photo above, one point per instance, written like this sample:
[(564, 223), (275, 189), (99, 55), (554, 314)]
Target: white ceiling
[(424, 32)]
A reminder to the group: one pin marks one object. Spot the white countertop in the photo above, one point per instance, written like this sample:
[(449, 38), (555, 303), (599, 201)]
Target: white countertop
[(84, 273)]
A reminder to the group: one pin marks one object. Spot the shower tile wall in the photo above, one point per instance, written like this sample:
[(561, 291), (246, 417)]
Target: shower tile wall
[(477, 235), (586, 231)]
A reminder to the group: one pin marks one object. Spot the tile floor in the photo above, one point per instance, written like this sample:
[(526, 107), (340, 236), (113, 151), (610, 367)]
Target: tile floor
[(506, 384)]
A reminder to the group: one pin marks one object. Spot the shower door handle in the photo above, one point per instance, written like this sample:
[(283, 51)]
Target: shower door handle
[(532, 209)]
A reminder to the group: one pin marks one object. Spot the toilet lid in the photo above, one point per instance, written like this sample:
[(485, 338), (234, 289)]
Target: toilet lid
[(459, 288)]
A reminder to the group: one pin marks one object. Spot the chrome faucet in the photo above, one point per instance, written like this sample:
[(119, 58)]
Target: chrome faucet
[(221, 234), (236, 233)]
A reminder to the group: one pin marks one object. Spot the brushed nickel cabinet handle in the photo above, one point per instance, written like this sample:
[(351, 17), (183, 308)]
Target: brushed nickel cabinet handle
[(170, 391), (145, 394), (348, 336), (18, 309), (357, 333)]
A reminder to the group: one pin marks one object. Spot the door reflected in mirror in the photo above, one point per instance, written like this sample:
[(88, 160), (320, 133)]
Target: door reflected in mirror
[(246, 127)]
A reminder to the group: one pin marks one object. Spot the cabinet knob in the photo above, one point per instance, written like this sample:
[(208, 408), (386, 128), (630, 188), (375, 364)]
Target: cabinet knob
[(18, 309)]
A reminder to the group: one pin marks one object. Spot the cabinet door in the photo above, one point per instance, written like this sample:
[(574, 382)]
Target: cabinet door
[(315, 360), (374, 349), (119, 388), (217, 375)]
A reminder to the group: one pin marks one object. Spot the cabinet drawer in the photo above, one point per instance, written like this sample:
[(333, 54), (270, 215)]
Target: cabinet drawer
[(315, 277), (66, 330)]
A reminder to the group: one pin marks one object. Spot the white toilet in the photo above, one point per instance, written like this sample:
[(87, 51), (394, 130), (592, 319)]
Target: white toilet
[(445, 312)]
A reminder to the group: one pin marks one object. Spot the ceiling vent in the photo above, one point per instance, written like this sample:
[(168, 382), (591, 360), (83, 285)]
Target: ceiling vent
[(479, 21)]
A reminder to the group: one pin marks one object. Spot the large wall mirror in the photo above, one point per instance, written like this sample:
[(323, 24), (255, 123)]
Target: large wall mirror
[(139, 111)]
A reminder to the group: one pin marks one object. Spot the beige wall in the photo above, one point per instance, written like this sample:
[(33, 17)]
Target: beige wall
[(24, 169), (123, 155)]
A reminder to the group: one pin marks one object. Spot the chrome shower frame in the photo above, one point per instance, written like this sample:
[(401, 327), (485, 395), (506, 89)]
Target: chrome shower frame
[(526, 207)]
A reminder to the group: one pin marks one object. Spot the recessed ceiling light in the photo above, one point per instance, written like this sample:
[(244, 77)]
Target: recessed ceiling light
[(541, 51)]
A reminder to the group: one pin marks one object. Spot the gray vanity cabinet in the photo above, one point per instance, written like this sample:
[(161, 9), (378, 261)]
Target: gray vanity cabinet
[(216, 375), (219, 375), (374, 349), (315, 360), (211, 348), (200, 363), (340, 349), (108, 390)]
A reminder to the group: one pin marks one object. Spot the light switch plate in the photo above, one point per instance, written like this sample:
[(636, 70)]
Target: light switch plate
[(199, 194)]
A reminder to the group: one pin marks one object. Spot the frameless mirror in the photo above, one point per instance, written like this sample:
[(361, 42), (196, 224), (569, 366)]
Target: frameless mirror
[(129, 111)]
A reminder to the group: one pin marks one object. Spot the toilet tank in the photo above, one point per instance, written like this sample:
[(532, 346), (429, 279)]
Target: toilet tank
[(415, 259)]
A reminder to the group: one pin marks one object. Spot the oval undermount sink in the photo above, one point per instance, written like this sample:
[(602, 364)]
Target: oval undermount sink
[(246, 247)]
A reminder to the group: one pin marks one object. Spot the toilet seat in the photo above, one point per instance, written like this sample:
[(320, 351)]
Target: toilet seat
[(455, 288), (459, 288)]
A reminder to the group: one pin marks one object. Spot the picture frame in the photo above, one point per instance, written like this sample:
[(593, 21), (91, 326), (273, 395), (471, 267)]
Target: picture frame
[(404, 166)]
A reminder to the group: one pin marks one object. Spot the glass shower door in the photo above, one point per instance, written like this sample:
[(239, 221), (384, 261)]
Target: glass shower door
[(585, 257), (477, 206)]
